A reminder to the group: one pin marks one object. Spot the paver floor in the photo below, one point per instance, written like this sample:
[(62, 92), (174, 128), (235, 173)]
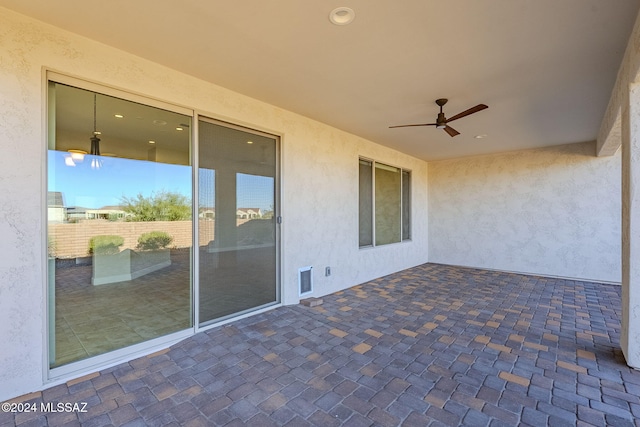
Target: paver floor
[(432, 345)]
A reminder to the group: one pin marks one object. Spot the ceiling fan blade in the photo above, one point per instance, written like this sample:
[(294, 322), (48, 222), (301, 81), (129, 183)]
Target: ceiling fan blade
[(404, 126), (471, 110), (451, 131)]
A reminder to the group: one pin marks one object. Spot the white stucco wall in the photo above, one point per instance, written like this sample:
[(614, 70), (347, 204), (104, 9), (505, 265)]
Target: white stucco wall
[(320, 181), (552, 211)]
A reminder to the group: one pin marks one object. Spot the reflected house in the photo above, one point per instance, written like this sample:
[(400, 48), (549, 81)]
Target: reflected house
[(76, 213), (58, 212), (55, 206), (207, 213), (248, 213)]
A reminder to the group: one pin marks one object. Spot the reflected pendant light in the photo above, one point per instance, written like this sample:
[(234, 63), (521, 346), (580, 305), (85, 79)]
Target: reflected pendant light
[(95, 141)]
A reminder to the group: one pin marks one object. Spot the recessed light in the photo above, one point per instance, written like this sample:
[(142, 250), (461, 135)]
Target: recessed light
[(118, 116), (249, 142), (159, 122), (179, 128), (342, 16), (152, 142), (480, 136)]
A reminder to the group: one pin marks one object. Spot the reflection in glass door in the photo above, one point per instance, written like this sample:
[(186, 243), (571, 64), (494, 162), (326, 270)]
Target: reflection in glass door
[(119, 223), (237, 222)]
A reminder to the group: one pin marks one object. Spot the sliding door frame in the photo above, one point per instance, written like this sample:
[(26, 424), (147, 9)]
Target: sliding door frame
[(236, 125), (75, 369)]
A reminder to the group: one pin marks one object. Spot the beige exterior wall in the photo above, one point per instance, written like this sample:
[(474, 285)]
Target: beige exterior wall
[(552, 211)]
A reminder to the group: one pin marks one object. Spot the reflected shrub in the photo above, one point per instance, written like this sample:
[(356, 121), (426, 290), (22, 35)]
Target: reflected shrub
[(154, 240), (105, 245)]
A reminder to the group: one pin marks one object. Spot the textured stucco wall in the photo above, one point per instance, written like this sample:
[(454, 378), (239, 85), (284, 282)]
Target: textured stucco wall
[(319, 180), (630, 334), (552, 211)]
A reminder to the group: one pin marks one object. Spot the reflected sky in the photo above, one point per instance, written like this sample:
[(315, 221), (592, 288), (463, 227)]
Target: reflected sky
[(89, 187)]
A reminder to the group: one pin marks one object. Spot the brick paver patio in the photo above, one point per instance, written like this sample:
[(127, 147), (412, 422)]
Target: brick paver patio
[(433, 345)]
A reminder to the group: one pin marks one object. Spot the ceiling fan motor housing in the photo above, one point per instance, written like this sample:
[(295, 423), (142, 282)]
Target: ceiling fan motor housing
[(441, 101)]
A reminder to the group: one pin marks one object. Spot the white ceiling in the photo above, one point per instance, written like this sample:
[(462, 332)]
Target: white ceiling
[(545, 68)]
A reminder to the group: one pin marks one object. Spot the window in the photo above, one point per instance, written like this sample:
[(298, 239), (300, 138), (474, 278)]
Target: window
[(384, 204)]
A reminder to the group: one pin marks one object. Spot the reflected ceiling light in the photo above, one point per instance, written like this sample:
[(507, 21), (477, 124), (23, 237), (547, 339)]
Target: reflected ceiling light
[(119, 116), (179, 128), (159, 122), (77, 155), (480, 136), (342, 16), (249, 142), (152, 142), (95, 141), (68, 160), (96, 162)]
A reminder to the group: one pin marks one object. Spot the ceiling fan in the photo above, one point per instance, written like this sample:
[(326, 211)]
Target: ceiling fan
[(442, 121)]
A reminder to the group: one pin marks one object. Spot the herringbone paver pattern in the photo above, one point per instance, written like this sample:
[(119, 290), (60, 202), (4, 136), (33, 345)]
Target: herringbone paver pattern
[(433, 345)]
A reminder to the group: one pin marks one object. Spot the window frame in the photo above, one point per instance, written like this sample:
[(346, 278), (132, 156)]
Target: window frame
[(405, 196)]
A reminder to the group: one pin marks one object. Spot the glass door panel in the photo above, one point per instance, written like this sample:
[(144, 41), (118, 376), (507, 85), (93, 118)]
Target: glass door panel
[(119, 223), (237, 227)]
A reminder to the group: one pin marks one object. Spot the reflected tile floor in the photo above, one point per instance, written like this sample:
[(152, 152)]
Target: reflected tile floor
[(432, 345), (91, 320)]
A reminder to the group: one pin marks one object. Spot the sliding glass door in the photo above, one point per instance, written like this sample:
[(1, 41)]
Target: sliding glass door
[(236, 220), (119, 210), (120, 223)]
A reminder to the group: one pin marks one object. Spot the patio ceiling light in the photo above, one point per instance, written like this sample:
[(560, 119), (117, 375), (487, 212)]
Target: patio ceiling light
[(342, 16)]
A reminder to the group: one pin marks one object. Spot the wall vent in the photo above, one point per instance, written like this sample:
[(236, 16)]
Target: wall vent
[(305, 280)]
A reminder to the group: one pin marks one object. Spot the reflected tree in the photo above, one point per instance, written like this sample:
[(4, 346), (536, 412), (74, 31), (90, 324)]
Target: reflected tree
[(161, 206)]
